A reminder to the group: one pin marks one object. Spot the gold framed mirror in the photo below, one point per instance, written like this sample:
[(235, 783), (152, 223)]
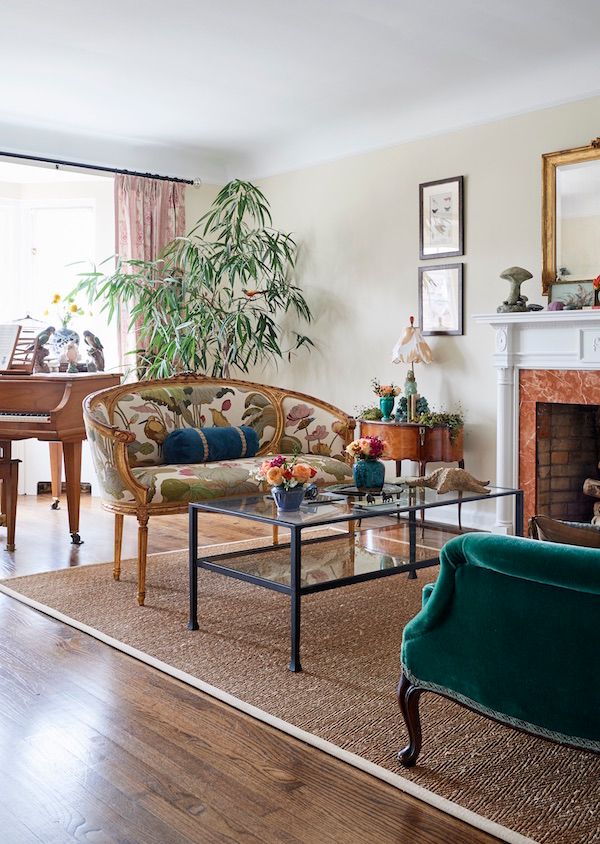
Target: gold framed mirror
[(571, 221)]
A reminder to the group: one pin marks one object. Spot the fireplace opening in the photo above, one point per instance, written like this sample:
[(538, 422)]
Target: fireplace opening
[(567, 446)]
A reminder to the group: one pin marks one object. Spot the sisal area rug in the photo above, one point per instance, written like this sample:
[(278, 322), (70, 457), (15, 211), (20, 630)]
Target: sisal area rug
[(515, 786)]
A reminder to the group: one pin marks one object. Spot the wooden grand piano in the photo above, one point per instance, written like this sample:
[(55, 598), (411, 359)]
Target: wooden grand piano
[(48, 407)]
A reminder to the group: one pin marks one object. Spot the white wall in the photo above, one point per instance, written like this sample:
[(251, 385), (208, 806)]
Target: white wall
[(357, 222)]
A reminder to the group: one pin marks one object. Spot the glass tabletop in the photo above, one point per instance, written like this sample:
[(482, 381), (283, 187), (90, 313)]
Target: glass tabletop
[(331, 559), (332, 507)]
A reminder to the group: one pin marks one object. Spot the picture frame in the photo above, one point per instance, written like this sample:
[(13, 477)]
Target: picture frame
[(441, 299), (441, 218)]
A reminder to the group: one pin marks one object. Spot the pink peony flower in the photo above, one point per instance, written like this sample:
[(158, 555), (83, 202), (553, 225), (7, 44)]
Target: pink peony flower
[(299, 411)]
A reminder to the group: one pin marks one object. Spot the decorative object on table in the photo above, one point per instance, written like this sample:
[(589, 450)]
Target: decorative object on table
[(72, 356), (441, 218), (450, 480), (66, 309), (287, 478), (368, 470), (218, 301), (515, 302), (440, 296), (411, 348), (40, 352), (454, 421), (401, 415), (95, 352), (387, 395), (369, 413)]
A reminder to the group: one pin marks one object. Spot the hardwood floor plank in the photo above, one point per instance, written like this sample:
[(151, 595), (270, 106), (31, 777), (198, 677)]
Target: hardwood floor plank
[(101, 748)]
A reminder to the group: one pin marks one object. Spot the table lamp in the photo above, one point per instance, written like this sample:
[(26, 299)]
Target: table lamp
[(411, 348)]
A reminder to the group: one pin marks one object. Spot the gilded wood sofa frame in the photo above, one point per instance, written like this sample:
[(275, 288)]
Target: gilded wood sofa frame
[(140, 507)]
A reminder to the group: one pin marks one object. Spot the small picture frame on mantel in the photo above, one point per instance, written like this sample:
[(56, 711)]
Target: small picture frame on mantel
[(441, 218), (441, 299)]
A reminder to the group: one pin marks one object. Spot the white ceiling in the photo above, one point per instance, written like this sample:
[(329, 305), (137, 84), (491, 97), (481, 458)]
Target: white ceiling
[(251, 87)]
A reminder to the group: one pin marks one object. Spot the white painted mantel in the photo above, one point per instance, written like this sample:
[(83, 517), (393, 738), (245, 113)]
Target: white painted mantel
[(533, 340)]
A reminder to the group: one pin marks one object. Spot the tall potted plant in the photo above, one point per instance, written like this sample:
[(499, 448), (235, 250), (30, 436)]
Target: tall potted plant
[(213, 302)]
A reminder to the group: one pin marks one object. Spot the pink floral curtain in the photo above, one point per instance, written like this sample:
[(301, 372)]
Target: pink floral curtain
[(149, 214)]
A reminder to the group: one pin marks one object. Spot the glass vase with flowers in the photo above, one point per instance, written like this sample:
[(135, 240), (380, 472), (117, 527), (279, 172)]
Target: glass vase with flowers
[(289, 480), (387, 394), (368, 470)]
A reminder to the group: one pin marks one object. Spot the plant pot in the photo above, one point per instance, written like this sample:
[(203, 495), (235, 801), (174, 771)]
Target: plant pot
[(368, 474), (288, 499), (386, 405)]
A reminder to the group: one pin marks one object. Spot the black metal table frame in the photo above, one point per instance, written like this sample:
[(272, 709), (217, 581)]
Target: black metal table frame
[(295, 590)]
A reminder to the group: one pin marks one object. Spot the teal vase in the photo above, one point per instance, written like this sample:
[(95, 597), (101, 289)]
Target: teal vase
[(368, 474), (386, 405)]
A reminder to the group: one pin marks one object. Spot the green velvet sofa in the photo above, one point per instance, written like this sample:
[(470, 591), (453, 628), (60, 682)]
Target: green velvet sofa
[(510, 629)]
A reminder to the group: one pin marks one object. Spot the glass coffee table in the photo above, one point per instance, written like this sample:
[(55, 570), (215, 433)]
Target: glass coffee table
[(341, 560)]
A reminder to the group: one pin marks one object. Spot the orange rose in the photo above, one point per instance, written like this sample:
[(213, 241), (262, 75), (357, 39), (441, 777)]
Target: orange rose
[(274, 476), (301, 472)]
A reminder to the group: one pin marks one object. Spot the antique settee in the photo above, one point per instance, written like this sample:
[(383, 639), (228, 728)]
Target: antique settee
[(510, 630), (126, 426)]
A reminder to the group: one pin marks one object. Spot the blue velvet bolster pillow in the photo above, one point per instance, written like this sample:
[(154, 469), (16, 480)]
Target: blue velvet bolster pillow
[(204, 445)]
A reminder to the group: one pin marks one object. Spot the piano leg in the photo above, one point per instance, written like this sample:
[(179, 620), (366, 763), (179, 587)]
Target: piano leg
[(72, 456), (9, 475), (56, 461)]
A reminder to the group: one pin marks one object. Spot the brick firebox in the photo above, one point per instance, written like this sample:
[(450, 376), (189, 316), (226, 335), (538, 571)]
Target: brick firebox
[(557, 426)]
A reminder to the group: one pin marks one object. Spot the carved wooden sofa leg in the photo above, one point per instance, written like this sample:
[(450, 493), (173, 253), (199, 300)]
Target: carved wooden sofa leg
[(142, 517), (118, 545), (408, 699)]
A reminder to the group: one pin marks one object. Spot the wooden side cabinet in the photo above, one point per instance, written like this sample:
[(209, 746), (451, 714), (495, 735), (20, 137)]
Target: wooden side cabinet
[(411, 441)]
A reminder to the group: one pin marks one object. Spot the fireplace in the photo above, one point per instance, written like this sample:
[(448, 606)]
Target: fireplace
[(567, 454), (548, 381)]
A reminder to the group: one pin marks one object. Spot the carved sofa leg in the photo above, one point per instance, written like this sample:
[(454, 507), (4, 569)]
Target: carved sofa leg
[(118, 544), (408, 699), (142, 517)]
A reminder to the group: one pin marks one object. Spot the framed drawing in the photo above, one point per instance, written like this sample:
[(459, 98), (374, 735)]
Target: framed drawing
[(441, 299), (441, 218)]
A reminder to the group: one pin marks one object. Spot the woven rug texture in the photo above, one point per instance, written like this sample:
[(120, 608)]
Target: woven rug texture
[(346, 694)]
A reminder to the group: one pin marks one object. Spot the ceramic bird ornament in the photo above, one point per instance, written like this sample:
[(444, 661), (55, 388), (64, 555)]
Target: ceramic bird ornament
[(45, 335), (95, 352), (72, 355)]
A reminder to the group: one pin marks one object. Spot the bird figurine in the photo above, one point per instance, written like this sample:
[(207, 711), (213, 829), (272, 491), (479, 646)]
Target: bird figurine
[(155, 430), (95, 352), (39, 352), (450, 480), (72, 355), (45, 335)]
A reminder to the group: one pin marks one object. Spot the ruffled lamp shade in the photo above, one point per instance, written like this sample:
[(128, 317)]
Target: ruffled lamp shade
[(411, 348)]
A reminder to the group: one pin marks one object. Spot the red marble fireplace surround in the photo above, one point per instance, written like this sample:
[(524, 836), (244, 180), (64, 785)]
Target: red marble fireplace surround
[(547, 386)]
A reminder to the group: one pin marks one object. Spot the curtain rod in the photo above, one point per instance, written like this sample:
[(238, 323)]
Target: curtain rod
[(57, 162)]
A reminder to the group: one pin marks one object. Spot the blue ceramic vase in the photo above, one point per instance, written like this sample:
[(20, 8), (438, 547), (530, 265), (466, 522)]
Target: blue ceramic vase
[(288, 499), (386, 405), (368, 474)]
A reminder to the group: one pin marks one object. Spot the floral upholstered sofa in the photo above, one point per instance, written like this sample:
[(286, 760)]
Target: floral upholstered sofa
[(127, 425)]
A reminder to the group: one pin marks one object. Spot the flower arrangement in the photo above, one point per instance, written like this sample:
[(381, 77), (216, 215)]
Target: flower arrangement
[(596, 283), (285, 472), (366, 448), (384, 390), (66, 309)]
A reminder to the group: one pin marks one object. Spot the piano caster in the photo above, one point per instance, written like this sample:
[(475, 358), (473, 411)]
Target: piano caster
[(10, 547), (76, 539), (55, 504)]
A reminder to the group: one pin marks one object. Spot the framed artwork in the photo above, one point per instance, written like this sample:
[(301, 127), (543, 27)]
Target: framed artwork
[(441, 218), (441, 299)]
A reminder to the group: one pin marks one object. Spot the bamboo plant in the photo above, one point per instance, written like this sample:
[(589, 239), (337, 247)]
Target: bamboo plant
[(214, 301)]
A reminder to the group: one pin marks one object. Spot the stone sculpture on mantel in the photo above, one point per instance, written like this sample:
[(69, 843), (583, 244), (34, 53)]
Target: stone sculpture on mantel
[(516, 302)]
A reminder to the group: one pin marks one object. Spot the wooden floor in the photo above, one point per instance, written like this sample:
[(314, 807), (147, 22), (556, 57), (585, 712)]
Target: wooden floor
[(97, 747)]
